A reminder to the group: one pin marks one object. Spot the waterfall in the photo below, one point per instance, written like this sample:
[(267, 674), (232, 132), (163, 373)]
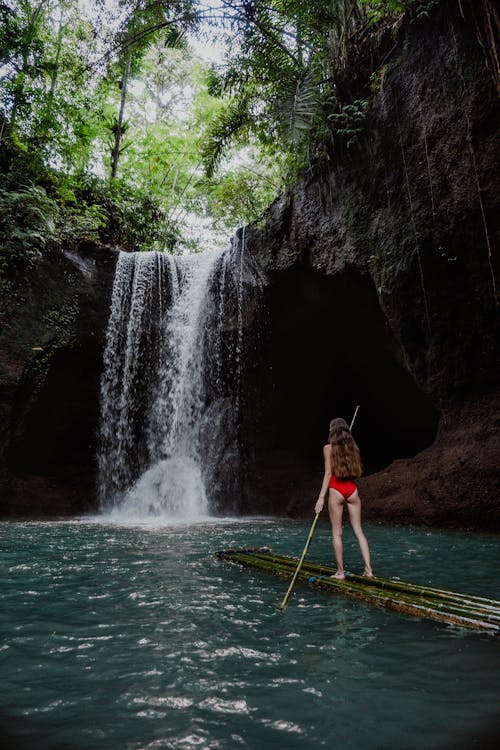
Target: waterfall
[(171, 380)]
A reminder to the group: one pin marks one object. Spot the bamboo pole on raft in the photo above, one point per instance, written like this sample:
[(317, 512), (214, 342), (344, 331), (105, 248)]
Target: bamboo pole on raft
[(308, 542)]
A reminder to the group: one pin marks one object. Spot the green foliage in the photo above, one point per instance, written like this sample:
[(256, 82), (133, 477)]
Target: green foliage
[(376, 10), (297, 107), (116, 214), (379, 10), (144, 19), (89, 90), (422, 8), (27, 223), (284, 68), (229, 123), (132, 218), (238, 196), (59, 320), (349, 123), (55, 208)]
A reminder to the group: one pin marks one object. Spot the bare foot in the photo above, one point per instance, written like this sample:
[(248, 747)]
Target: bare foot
[(368, 573), (339, 575)]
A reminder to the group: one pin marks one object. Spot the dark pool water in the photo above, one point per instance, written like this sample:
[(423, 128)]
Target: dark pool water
[(127, 637)]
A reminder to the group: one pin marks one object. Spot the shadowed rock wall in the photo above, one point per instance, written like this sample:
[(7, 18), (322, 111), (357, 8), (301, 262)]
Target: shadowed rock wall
[(53, 328)]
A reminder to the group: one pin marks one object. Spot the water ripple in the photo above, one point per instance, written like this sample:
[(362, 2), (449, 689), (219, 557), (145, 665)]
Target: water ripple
[(130, 637)]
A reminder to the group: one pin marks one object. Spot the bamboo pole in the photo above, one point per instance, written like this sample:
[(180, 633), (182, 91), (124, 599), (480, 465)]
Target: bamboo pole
[(304, 553), (288, 594)]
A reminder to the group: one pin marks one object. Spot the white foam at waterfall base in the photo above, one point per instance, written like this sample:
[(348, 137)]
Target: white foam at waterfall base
[(170, 490)]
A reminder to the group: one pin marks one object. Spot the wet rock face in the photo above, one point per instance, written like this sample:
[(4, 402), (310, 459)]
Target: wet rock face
[(51, 355)]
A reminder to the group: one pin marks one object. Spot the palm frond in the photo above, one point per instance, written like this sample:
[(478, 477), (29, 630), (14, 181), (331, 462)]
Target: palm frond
[(229, 123), (297, 105)]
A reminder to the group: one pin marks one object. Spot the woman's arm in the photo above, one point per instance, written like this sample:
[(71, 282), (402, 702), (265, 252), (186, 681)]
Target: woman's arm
[(327, 455)]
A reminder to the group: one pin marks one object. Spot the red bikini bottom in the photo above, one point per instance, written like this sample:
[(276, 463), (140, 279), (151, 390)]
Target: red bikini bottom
[(345, 486)]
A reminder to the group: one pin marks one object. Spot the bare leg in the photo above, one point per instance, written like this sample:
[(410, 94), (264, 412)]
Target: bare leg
[(354, 508), (336, 509)]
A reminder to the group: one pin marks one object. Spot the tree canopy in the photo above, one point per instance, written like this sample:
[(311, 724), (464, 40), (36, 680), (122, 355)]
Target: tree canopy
[(131, 138)]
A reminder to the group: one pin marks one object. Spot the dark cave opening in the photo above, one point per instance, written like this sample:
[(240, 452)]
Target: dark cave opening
[(327, 348)]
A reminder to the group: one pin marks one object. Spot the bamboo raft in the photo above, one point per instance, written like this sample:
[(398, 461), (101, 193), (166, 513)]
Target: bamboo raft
[(463, 610)]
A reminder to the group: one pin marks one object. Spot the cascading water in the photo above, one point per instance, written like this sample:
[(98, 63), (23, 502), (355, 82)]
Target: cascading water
[(171, 382)]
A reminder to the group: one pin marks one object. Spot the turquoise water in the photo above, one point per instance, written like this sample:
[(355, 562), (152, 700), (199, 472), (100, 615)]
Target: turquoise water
[(136, 637)]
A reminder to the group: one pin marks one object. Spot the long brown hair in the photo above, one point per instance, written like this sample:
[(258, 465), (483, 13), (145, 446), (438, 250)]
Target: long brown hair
[(346, 459)]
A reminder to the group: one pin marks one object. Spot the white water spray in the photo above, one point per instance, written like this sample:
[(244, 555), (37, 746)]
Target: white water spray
[(153, 386), (172, 383)]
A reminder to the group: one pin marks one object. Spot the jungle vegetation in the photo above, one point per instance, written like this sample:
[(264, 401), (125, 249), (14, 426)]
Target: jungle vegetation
[(114, 129)]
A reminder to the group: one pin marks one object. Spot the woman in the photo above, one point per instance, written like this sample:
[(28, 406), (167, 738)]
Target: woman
[(342, 466)]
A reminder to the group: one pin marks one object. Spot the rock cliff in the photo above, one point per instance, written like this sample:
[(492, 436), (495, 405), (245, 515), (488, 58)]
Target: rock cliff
[(53, 328)]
